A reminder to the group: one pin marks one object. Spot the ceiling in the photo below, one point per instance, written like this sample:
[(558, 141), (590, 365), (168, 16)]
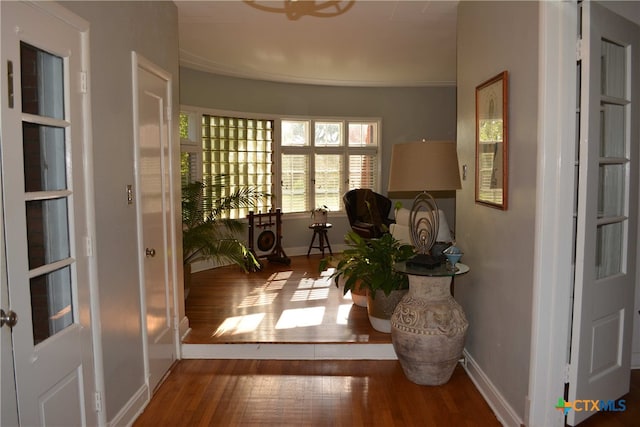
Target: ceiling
[(373, 43)]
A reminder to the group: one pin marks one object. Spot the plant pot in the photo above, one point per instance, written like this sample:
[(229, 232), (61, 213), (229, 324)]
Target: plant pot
[(381, 308), (358, 293), (319, 217)]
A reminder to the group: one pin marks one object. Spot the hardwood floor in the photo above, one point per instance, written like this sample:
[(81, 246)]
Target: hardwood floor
[(297, 304), (280, 304), (310, 393)]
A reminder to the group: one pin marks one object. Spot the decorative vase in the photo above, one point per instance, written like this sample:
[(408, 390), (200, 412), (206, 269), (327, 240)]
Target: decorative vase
[(428, 329), (380, 307)]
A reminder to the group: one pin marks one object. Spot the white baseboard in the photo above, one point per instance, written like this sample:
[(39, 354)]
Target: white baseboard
[(295, 251), (290, 351), (501, 408), (132, 410), (183, 328)]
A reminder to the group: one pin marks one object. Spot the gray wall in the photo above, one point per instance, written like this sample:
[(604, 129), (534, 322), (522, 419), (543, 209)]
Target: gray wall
[(499, 245), (117, 28), (408, 114)]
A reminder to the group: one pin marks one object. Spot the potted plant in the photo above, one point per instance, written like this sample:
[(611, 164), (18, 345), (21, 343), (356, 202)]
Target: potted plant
[(211, 236), (369, 263), (320, 215)]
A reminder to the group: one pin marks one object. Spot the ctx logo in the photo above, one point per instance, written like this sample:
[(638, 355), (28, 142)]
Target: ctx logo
[(591, 405)]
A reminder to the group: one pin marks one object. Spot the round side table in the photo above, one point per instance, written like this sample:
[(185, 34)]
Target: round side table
[(320, 230)]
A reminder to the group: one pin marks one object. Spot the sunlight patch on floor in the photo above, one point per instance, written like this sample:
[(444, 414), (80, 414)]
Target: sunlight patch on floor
[(300, 317), (280, 275), (275, 285), (343, 314), (310, 295), (257, 300), (239, 324)]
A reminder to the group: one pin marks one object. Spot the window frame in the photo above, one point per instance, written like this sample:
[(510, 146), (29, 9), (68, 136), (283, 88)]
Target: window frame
[(194, 145)]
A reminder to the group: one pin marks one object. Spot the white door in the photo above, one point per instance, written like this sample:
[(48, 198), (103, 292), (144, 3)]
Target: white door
[(45, 216), (607, 210), (154, 207), (9, 407)]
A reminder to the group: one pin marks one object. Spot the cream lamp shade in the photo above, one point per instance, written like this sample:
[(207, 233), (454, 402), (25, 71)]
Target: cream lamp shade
[(424, 166), (421, 167)]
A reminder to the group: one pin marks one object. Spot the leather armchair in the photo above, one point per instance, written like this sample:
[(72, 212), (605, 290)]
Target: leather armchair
[(368, 212)]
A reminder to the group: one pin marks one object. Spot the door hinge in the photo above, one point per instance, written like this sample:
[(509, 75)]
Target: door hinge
[(98, 401), (567, 369), (167, 112), (88, 241), (83, 81), (10, 83), (579, 49)]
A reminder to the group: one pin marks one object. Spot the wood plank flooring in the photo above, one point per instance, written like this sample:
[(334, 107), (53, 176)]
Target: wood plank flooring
[(297, 304), (310, 393), (280, 304)]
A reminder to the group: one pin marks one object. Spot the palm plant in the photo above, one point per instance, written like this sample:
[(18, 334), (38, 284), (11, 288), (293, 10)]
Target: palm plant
[(211, 236)]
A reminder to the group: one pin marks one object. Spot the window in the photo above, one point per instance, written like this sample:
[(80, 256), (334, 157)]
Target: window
[(240, 150), (190, 150), (315, 161), (322, 159)]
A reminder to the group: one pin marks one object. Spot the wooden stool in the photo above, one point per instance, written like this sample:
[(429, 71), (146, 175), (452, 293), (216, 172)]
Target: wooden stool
[(320, 230)]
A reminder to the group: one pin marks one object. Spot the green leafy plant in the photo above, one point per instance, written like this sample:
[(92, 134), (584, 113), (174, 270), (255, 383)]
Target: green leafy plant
[(211, 236), (371, 262)]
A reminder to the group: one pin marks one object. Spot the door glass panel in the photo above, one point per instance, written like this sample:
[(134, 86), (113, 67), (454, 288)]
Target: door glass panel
[(609, 250), (42, 77), (47, 231), (45, 172), (611, 190), (328, 134), (295, 133), (44, 158), (362, 134), (614, 68), (295, 182), (328, 179), (51, 306), (362, 171), (612, 142)]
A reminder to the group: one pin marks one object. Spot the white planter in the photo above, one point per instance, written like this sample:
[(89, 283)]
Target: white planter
[(381, 308), (319, 217)]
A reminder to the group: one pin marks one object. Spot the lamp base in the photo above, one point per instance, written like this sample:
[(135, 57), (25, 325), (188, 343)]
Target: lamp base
[(424, 261)]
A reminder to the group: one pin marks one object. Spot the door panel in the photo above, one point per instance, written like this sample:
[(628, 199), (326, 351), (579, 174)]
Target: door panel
[(154, 204), (607, 210), (44, 217)]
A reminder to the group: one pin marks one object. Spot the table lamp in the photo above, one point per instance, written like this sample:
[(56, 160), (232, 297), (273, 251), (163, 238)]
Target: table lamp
[(421, 167)]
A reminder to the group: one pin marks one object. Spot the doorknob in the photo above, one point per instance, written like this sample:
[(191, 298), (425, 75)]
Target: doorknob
[(150, 252), (10, 318)]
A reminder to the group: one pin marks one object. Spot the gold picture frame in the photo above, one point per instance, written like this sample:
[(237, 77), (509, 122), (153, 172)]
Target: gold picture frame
[(492, 142)]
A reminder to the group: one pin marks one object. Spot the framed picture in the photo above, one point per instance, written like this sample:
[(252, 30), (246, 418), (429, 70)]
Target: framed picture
[(492, 142)]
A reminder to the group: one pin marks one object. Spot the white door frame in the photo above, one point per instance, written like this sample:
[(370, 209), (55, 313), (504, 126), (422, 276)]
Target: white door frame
[(554, 215), (554, 212)]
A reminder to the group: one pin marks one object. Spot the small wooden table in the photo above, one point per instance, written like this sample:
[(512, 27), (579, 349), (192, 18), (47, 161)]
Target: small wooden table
[(320, 230)]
